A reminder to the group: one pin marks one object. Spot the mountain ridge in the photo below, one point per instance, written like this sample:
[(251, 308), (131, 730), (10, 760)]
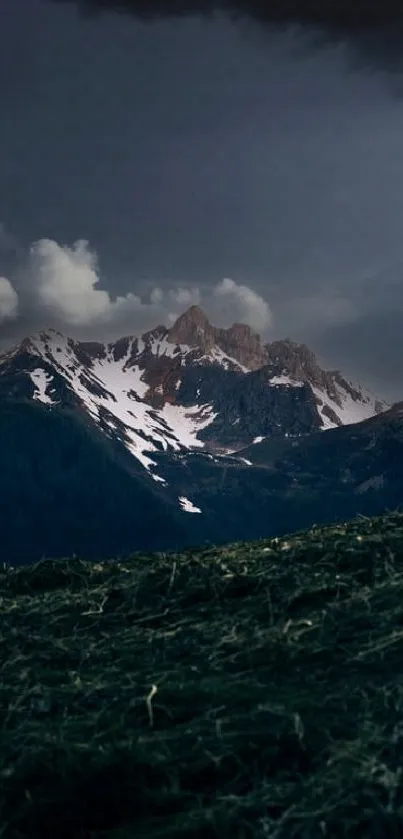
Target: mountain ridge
[(184, 387)]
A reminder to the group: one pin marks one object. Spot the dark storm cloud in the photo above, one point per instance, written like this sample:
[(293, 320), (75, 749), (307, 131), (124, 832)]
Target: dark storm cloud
[(373, 29), (347, 15), (372, 350)]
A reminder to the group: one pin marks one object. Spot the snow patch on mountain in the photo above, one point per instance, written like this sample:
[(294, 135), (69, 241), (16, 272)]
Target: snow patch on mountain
[(161, 346), (350, 411), (41, 380), (188, 506), (226, 361), (186, 422), (285, 380)]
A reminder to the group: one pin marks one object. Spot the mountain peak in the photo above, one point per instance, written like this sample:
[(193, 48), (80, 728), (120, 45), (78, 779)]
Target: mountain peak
[(196, 313), (192, 328), (193, 315)]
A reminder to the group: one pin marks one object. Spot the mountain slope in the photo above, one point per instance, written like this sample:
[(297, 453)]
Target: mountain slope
[(65, 489), (291, 483), (245, 692)]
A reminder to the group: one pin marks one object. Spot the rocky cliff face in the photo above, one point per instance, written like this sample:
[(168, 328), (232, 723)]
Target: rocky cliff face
[(193, 329), (238, 342), (281, 358)]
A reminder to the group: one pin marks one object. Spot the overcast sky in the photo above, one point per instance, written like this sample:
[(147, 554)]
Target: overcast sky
[(182, 153)]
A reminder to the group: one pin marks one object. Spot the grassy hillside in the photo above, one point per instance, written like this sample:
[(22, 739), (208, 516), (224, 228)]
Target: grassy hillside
[(250, 691)]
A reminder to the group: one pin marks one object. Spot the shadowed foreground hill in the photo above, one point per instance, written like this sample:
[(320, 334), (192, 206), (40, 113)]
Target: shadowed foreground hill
[(254, 690)]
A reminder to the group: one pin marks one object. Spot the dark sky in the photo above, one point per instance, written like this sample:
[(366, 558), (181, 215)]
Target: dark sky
[(188, 151)]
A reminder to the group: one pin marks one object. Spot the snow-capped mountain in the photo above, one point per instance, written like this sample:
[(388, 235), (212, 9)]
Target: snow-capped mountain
[(182, 436), (194, 386)]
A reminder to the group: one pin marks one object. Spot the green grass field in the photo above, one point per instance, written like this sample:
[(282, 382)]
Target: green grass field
[(254, 690)]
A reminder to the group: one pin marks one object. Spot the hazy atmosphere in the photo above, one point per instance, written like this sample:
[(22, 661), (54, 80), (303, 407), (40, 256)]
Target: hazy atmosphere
[(146, 166)]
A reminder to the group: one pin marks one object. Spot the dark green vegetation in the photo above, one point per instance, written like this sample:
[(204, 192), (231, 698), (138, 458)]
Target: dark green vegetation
[(243, 692)]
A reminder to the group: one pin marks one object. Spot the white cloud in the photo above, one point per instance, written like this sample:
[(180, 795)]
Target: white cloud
[(225, 303), (8, 300), (156, 296), (58, 285), (243, 304), (185, 296), (65, 281)]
